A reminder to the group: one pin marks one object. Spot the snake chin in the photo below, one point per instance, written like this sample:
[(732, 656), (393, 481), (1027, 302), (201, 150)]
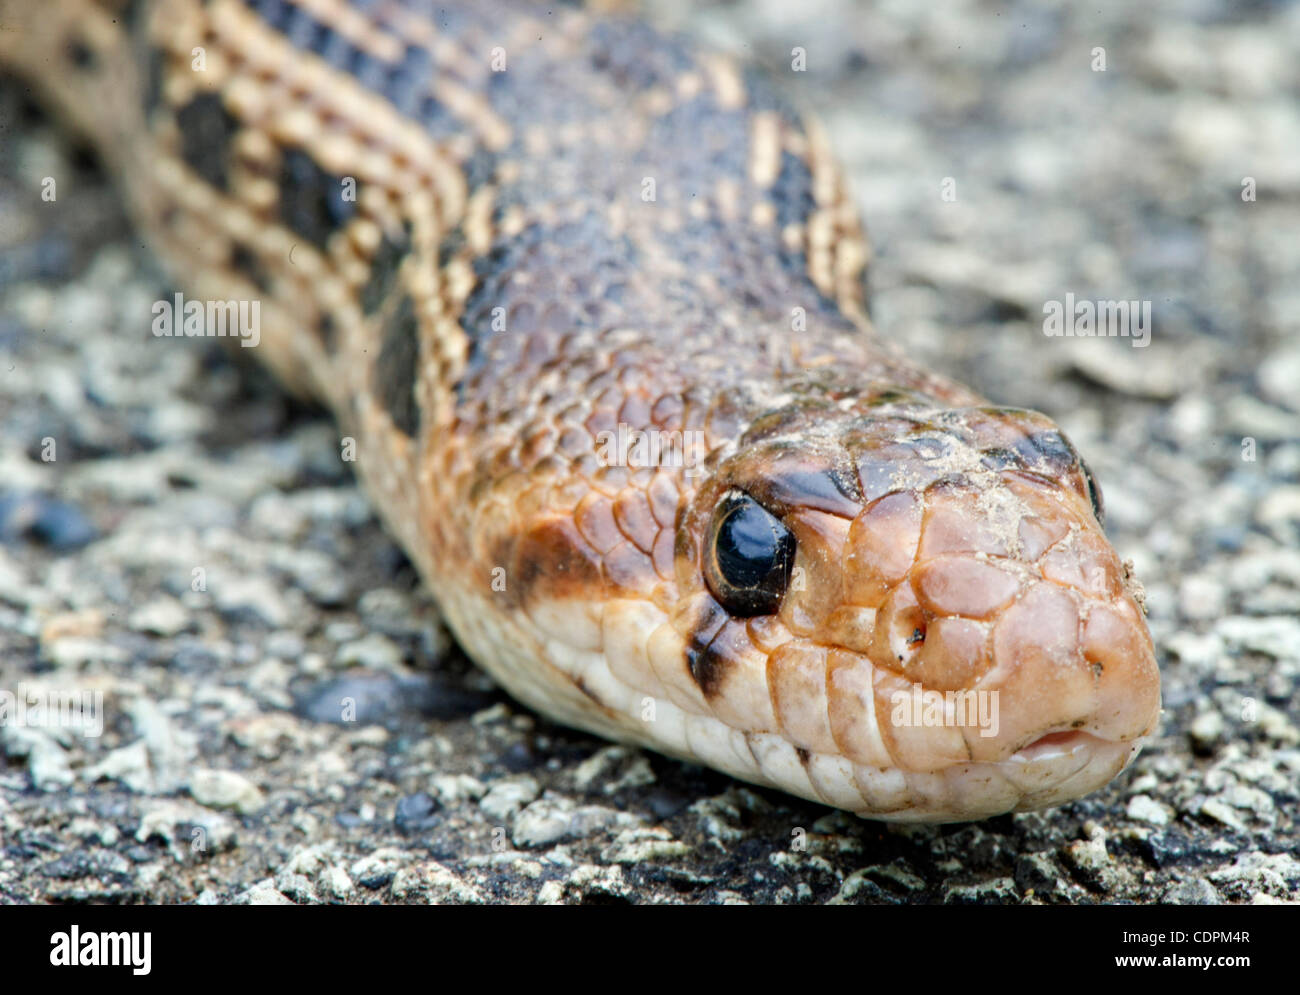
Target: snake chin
[(1053, 770), (1060, 767)]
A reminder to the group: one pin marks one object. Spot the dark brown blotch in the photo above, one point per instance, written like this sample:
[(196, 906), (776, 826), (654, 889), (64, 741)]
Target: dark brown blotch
[(246, 263), (395, 369), (312, 201), (707, 666), (548, 561), (383, 270), (206, 129), (327, 332), (80, 55)]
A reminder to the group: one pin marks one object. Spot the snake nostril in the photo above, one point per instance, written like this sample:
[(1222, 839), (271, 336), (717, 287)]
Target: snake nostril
[(901, 629), (909, 635)]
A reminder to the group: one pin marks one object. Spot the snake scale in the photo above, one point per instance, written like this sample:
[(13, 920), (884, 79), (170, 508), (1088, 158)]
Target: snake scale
[(590, 302)]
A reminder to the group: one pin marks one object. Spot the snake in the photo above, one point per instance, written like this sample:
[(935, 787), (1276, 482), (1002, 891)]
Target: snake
[(588, 303)]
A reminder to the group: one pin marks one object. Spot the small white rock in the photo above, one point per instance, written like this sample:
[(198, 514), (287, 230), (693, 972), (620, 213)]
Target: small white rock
[(507, 796), (161, 616), (226, 789), (1144, 808)]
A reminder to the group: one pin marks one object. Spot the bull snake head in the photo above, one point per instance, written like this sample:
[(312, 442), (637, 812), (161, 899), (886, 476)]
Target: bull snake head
[(921, 602)]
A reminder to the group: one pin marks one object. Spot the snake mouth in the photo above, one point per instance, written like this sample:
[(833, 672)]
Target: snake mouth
[(1047, 766), (1062, 743)]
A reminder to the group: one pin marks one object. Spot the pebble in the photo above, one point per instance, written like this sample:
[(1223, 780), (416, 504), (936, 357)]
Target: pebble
[(415, 813), (334, 881), (1277, 874), (1248, 416), (1279, 377), (251, 597), (172, 750), (1041, 874), (1278, 638), (128, 765), (1245, 798), (1000, 890), (317, 866), (186, 828), (1091, 861), (641, 846), (434, 884), (1146, 809), (226, 789), (263, 893), (390, 611), (1220, 811), (374, 652), (383, 861), (76, 652), (1279, 511), (506, 797), (1206, 730), (323, 578), (87, 624), (859, 888), (550, 820), (61, 525), (161, 617), (1192, 891), (551, 893), (298, 888), (1159, 372), (1201, 598), (452, 788), (624, 768), (362, 697), (47, 761)]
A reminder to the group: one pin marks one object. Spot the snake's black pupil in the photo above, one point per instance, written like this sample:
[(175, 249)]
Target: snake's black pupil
[(753, 555)]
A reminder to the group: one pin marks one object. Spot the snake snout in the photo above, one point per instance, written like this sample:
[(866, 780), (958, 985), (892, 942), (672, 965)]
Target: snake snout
[(999, 624)]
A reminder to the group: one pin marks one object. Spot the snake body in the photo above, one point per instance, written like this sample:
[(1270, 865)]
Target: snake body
[(589, 301)]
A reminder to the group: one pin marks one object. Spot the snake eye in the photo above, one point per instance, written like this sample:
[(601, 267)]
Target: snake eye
[(750, 557), (1094, 493)]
